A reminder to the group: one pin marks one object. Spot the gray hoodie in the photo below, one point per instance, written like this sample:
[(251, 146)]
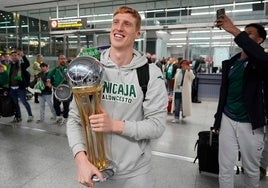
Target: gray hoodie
[(123, 100)]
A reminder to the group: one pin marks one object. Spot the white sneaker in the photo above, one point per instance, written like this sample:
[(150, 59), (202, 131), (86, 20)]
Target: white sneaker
[(175, 121), (30, 119)]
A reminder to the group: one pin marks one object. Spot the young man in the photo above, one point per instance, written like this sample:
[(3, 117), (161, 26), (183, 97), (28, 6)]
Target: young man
[(45, 95), (18, 82), (240, 115), (128, 124)]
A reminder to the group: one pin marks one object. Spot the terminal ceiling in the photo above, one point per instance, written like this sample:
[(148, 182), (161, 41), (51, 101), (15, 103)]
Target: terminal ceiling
[(38, 7)]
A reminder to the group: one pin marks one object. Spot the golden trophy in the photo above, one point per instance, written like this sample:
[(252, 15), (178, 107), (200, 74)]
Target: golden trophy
[(85, 74)]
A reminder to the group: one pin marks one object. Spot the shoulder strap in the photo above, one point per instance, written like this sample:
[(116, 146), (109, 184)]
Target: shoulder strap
[(143, 76)]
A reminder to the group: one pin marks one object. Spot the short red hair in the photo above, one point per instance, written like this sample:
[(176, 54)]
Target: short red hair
[(129, 10)]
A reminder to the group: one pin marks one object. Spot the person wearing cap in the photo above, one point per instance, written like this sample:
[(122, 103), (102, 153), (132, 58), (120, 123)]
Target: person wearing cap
[(240, 116)]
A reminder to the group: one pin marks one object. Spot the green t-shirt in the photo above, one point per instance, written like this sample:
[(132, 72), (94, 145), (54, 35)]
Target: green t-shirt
[(177, 95), (58, 76), (235, 105), (169, 71)]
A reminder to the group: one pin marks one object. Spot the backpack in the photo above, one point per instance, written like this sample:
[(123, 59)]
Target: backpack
[(143, 77)]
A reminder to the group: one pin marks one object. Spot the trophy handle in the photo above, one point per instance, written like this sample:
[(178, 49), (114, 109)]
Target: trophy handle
[(106, 173), (88, 101)]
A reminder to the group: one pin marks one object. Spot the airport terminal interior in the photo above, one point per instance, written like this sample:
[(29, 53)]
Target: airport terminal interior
[(37, 155)]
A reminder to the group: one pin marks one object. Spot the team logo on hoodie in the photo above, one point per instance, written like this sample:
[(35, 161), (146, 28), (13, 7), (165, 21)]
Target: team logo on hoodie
[(119, 92)]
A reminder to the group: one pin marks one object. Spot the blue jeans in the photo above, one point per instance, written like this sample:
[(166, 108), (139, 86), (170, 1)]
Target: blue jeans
[(42, 100), (17, 94), (177, 105)]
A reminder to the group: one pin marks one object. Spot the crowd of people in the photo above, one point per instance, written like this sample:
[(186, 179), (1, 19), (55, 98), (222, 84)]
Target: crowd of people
[(16, 78), (240, 117)]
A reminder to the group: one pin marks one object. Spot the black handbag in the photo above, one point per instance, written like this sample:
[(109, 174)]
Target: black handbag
[(7, 106), (33, 82)]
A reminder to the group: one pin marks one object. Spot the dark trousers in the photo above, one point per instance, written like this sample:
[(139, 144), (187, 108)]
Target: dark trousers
[(36, 94), (178, 103), (20, 94), (195, 89), (56, 105), (36, 97)]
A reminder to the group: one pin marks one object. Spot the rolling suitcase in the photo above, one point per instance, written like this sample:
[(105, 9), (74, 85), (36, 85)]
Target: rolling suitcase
[(207, 152)]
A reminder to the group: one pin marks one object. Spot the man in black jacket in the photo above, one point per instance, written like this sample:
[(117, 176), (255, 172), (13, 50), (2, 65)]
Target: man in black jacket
[(18, 82), (240, 114)]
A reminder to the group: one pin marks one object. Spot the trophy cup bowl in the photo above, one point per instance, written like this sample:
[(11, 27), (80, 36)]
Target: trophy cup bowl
[(85, 74)]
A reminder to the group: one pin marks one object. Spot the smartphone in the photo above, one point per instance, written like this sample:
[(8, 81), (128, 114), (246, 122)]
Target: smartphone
[(219, 13)]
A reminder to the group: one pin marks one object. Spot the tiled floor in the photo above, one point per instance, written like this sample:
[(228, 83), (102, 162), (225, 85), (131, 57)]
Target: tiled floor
[(37, 155)]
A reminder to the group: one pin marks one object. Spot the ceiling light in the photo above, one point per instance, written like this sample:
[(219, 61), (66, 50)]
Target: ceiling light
[(177, 32)]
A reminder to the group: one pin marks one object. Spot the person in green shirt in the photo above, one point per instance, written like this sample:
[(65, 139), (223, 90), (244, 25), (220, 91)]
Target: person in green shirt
[(56, 77), (240, 116), (18, 82)]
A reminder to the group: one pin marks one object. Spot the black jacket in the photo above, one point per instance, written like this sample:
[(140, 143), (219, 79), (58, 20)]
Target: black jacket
[(255, 77), (24, 83)]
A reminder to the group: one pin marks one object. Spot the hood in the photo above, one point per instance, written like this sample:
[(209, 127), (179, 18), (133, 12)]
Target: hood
[(139, 59)]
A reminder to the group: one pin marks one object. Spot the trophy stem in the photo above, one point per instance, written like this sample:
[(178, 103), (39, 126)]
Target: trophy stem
[(88, 103), (102, 161), (86, 126)]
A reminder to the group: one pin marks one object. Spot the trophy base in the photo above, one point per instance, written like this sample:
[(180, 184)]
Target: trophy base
[(106, 174)]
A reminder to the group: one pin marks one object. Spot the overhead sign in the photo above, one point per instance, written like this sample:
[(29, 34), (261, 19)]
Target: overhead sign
[(68, 23), (54, 24)]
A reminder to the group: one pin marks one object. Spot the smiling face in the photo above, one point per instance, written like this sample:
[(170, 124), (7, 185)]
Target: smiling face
[(125, 29)]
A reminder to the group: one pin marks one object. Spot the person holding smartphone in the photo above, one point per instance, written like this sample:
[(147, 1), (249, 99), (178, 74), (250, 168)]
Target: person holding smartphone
[(240, 116)]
